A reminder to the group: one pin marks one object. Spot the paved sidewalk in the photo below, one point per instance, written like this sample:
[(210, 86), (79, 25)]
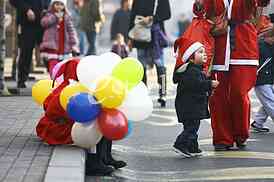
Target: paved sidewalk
[(23, 157)]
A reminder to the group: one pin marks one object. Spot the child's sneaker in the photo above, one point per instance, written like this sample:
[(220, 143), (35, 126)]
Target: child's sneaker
[(196, 153), (255, 127), (182, 150)]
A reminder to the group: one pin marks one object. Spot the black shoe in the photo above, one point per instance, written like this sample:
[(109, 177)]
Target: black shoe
[(221, 147), (116, 164), (95, 167), (162, 101), (21, 85), (241, 144), (197, 152), (182, 151), (259, 129)]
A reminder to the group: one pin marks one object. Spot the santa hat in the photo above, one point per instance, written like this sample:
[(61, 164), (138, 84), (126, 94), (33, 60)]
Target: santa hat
[(67, 68), (62, 1), (186, 48)]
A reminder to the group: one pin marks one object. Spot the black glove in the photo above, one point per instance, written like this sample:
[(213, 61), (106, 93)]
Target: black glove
[(75, 53)]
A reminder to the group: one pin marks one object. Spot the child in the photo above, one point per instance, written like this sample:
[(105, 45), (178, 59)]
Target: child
[(264, 85), (193, 89), (60, 38), (119, 46)]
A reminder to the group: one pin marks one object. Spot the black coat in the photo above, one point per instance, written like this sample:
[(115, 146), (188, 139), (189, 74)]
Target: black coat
[(22, 6), (265, 75), (145, 8), (193, 89)]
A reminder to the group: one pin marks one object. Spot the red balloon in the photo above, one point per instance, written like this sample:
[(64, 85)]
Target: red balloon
[(113, 124)]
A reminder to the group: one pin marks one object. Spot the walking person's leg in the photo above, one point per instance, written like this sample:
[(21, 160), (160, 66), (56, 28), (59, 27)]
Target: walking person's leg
[(194, 145), (242, 79), (142, 58), (182, 141), (27, 45), (265, 94), (91, 36)]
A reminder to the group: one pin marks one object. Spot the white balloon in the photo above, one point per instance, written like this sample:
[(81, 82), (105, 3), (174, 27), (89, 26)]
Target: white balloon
[(111, 58), (92, 68), (86, 135), (137, 105)]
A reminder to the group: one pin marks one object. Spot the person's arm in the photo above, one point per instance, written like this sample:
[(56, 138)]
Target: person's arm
[(114, 25), (48, 20), (73, 40), (191, 81)]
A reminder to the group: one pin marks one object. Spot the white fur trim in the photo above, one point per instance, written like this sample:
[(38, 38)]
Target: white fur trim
[(254, 62), (194, 47), (220, 68), (62, 1)]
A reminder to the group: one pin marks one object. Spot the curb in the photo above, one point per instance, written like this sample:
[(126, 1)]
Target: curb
[(67, 164)]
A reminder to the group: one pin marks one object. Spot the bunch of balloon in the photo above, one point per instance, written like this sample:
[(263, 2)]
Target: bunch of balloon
[(108, 93), (117, 87)]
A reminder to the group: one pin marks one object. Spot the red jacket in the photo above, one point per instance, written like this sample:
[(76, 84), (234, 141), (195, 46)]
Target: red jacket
[(244, 39)]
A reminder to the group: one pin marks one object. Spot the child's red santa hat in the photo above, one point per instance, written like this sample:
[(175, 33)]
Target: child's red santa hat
[(186, 48)]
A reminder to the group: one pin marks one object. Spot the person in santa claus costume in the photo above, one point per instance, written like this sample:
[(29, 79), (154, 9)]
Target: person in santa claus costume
[(199, 30), (55, 126), (235, 63)]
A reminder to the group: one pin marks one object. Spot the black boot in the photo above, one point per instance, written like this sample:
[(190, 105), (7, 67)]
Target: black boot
[(94, 162), (161, 74), (95, 166), (109, 159)]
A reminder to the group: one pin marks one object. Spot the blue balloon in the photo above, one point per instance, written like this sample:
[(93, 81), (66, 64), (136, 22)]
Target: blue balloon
[(83, 108), (130, 128)]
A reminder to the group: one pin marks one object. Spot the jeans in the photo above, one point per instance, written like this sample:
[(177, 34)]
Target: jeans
[(190, 133), (82, 42), (91, 36)]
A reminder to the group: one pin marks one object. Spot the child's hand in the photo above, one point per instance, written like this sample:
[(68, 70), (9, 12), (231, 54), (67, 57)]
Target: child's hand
[(214, 83)]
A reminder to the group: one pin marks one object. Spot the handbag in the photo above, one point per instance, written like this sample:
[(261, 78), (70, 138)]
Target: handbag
[(141, 31)]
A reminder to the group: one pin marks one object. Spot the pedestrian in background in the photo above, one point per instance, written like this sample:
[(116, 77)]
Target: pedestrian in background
[(60, 38), (264, 85), (193, 90), (119, 46), (92, 19), (120, 21), (30, 32), (151, 53), (76, 17)]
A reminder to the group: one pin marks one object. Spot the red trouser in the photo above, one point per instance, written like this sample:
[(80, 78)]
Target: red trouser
[(230, 105)]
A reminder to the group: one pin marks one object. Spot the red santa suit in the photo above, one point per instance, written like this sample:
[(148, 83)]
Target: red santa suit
[(55, 126), (236, 60), (199, 29)]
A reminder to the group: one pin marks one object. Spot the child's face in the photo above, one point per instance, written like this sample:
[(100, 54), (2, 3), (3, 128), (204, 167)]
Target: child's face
[(58, 6), (200, 56)]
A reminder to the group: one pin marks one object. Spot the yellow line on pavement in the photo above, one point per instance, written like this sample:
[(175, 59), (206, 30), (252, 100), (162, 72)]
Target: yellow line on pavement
[(239, 173)]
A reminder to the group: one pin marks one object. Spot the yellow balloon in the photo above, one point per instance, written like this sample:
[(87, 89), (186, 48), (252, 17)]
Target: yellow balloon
[(110, 92), (69, 91), (41, 90), (130, 71)]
